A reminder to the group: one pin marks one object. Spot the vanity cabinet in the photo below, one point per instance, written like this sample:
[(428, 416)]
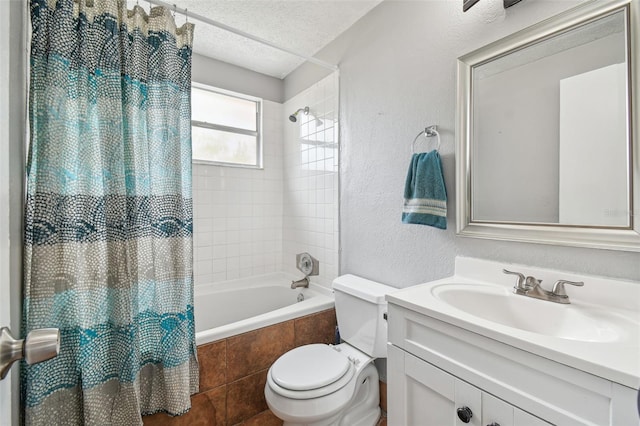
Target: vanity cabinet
[(421, 394), (435, 368)]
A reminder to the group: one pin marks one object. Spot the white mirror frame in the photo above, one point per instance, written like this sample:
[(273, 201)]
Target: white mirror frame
[(602, 238)]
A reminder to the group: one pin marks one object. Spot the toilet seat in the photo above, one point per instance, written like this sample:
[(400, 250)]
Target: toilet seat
[(309, 367), (310, 371)]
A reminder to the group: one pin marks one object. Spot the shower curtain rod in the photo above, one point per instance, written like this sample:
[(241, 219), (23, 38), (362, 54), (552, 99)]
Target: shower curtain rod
[(191, 15)]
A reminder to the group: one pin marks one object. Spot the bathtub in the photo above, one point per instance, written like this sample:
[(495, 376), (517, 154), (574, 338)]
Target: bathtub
[(232, 307)]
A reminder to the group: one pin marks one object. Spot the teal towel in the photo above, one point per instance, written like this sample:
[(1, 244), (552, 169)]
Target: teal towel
[(425, 196)]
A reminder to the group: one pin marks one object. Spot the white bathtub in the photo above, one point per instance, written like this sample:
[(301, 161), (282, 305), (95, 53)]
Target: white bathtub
[(233, 307)]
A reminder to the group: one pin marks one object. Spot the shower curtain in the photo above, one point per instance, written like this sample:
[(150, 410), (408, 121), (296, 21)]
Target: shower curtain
[(108, 221)]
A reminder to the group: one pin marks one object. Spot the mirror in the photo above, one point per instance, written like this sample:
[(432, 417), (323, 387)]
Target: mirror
[(548, 109), (545, 146)]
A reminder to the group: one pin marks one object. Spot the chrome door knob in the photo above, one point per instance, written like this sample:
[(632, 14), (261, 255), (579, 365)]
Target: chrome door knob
[(40, 345)]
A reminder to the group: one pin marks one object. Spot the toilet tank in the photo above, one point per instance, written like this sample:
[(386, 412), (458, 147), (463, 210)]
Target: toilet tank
[(360, 310)]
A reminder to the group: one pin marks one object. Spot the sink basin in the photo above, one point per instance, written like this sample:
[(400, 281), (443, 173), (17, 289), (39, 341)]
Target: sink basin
[(497, 304)]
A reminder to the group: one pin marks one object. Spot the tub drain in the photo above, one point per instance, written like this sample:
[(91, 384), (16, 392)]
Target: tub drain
[(300, 297)]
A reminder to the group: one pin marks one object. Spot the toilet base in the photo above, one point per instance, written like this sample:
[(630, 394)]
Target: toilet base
[(362, 410), (370, 419)]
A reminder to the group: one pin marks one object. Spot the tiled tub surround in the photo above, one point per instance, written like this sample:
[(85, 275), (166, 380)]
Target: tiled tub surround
[(233, 372), (310, 180), (237, 212), (251, 222)]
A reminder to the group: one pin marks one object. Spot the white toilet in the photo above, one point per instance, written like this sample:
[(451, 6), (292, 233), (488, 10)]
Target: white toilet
[(321, 385)]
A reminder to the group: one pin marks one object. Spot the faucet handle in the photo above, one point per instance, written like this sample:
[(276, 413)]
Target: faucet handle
[(559, 290), (521, 278)]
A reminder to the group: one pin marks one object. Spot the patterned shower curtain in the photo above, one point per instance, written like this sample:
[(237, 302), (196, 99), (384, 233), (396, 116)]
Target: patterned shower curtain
[(108, 238)]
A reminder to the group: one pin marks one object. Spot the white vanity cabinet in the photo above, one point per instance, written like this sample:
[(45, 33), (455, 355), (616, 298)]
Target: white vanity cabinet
[(422, 395), (435, 368)]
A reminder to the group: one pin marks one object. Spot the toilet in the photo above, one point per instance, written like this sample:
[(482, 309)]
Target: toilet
[(323, 385)]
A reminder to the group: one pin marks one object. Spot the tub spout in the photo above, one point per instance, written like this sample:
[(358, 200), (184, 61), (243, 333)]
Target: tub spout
[(300, 283)]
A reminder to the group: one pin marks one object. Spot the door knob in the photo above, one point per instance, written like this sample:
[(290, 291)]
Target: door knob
[(40, 345)]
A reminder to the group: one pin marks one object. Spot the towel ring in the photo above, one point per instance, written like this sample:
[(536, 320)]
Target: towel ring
[(428, 132)]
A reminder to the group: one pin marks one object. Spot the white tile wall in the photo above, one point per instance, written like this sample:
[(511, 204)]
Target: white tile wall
[(311, 154), (251, 222), (237, 212)]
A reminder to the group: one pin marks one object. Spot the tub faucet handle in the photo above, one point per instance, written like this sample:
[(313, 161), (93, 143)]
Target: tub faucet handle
[(307, 264)]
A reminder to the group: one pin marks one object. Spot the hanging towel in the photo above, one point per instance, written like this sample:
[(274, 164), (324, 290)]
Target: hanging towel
[(425, 196)]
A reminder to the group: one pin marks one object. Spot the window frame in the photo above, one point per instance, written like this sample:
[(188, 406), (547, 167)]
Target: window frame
[(230, 129)]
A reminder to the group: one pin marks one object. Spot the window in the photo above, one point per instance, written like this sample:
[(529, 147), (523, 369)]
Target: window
[(225, 127)]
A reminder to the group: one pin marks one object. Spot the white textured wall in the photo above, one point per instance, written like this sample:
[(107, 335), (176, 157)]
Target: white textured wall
[(398, 74), (237, 79), (311, 180)]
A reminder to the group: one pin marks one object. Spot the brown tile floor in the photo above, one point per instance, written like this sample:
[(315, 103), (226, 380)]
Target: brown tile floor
[(218, 400), (383, 396), (383, 404), (266, 418)]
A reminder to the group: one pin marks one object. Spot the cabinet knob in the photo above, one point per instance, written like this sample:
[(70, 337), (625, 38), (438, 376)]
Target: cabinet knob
[(464, 414), (493, 424)]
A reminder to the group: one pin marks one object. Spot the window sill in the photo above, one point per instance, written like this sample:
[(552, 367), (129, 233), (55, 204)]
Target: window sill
[(222, 164)]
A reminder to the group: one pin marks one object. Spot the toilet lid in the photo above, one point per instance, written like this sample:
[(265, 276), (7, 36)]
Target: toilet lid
[(309, 367)]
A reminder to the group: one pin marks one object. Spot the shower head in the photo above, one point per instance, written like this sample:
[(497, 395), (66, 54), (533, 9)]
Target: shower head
[(294, 117)]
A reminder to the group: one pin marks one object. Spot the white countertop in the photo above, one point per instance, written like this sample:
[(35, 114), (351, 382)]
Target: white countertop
[(617, 360)]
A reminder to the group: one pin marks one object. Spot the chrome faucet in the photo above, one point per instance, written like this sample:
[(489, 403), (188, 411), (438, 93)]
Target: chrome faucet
[(520, 287), (559, 290), (530, 286), (300, 283)]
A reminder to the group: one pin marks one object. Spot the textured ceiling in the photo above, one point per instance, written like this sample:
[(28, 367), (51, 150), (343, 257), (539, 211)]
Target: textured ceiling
[(304, 26)]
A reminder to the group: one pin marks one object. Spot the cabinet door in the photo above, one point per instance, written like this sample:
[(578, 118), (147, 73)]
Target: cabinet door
[(625, 406), (423, 395), (496, 412)]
